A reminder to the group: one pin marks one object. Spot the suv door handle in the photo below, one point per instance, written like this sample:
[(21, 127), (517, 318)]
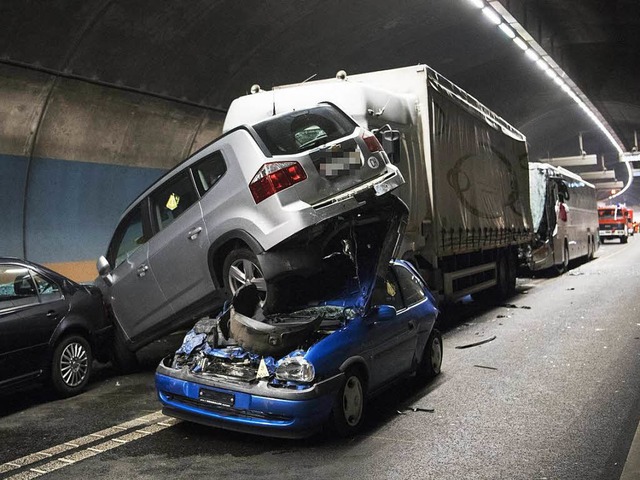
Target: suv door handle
[(52, 314), (142, 270), (193, 234)]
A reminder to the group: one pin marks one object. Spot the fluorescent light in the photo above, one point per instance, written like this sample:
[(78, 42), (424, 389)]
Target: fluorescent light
[(542, 64), (520, 43), (492, 15), (531, 54), (551, 73), (477, 3), (507, 31), (559, 82), (565, 87)]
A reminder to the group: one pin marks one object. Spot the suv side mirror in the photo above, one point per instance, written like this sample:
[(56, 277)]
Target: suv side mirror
[(104, 270)]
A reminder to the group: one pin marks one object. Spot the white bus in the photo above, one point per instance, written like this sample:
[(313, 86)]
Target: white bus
[(565, 217)]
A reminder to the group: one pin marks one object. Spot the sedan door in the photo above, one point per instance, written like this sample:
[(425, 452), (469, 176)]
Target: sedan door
[(31, 307)]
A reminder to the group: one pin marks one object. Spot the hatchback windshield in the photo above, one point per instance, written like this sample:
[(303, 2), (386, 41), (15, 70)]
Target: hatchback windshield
[(303, 130)]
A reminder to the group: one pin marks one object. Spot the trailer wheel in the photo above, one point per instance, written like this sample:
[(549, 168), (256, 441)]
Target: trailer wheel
[(504, 277)]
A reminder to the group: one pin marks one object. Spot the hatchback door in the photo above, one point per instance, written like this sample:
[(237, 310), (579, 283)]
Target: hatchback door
[(392, 341), (336, 154)]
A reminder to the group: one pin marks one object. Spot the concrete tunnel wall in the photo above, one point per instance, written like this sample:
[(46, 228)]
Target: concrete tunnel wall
[(74, 154)]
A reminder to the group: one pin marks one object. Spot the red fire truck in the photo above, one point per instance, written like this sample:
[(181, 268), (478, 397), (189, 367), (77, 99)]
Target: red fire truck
[(613, 222)]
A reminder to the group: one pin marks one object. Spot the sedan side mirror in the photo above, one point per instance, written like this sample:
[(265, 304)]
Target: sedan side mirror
[(104, 270), (386, 312)]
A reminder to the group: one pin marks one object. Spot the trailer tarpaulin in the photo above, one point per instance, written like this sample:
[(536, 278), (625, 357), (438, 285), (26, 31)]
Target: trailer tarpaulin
[(481, 186)]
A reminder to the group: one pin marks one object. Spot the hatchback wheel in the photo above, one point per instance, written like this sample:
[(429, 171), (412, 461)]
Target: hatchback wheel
[(71, 365), (431, 362), (348, 410)]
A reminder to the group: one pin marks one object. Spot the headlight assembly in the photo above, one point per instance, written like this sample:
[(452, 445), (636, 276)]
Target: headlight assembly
[(295, 369)]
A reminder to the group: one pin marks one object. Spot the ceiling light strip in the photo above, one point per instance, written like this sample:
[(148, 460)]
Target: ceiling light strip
[(501, 17)]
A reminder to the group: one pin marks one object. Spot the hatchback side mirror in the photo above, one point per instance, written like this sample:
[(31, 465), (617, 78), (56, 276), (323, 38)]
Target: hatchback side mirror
[(104, 270), (386, 312)]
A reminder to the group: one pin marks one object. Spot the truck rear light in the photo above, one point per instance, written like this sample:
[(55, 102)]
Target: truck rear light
[(274, 177), (372, 142)]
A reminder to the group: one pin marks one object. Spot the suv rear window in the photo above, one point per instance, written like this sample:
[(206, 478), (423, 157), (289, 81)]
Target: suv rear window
[(303, 130)]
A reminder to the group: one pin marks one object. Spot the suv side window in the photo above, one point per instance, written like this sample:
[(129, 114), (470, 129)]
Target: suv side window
[(208, 171), (410, 285), (171, 199), (128, 237)]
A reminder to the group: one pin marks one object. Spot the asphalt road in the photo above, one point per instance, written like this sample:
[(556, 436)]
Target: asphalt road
[(560, 399)]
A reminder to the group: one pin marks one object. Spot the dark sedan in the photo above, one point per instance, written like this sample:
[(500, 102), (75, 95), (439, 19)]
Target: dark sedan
[(51, 328)]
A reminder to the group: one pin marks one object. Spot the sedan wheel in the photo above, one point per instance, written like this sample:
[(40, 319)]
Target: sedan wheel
[(71, 365)]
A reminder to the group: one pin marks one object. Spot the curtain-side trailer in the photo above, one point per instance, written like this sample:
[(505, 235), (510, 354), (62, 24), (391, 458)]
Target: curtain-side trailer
[(465, 168)]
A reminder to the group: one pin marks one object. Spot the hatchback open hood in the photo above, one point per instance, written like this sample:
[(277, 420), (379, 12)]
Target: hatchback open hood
[(350, 251)]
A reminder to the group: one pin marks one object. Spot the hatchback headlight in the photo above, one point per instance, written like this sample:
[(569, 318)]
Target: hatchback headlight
[(295, 369)]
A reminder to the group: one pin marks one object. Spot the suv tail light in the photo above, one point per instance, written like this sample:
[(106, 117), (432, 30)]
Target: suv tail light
[(274, 177), (373, 144)]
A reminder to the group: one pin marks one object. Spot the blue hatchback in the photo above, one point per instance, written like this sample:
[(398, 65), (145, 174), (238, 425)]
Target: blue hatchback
[(342, 335)]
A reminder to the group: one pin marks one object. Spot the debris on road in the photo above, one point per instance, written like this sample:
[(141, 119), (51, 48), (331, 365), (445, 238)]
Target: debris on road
[(484, 366), (414, 410), (571, 288), (475, 344), (513, 305)]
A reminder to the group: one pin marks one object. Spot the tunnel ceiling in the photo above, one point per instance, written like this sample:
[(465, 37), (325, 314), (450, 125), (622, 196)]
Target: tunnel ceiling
[(208, 52)]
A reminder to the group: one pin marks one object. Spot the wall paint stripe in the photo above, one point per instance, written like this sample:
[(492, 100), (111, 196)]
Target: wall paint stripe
[(72, 208), (13, 175)]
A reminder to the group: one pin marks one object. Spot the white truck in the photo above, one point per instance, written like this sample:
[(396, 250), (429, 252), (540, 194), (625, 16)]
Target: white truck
[(465, 168), (564, 211)]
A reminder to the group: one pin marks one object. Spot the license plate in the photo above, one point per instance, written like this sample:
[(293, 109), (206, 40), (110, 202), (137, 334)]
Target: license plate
[(217, 398)]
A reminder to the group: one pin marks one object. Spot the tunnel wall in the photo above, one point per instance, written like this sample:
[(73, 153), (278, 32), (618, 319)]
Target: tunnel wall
[(74, 154)]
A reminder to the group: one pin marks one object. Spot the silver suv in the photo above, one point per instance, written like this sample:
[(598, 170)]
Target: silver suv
[(249, 208)]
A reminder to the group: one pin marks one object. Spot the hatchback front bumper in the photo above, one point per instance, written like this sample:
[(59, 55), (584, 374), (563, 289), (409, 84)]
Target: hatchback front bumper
[(256, 408)]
